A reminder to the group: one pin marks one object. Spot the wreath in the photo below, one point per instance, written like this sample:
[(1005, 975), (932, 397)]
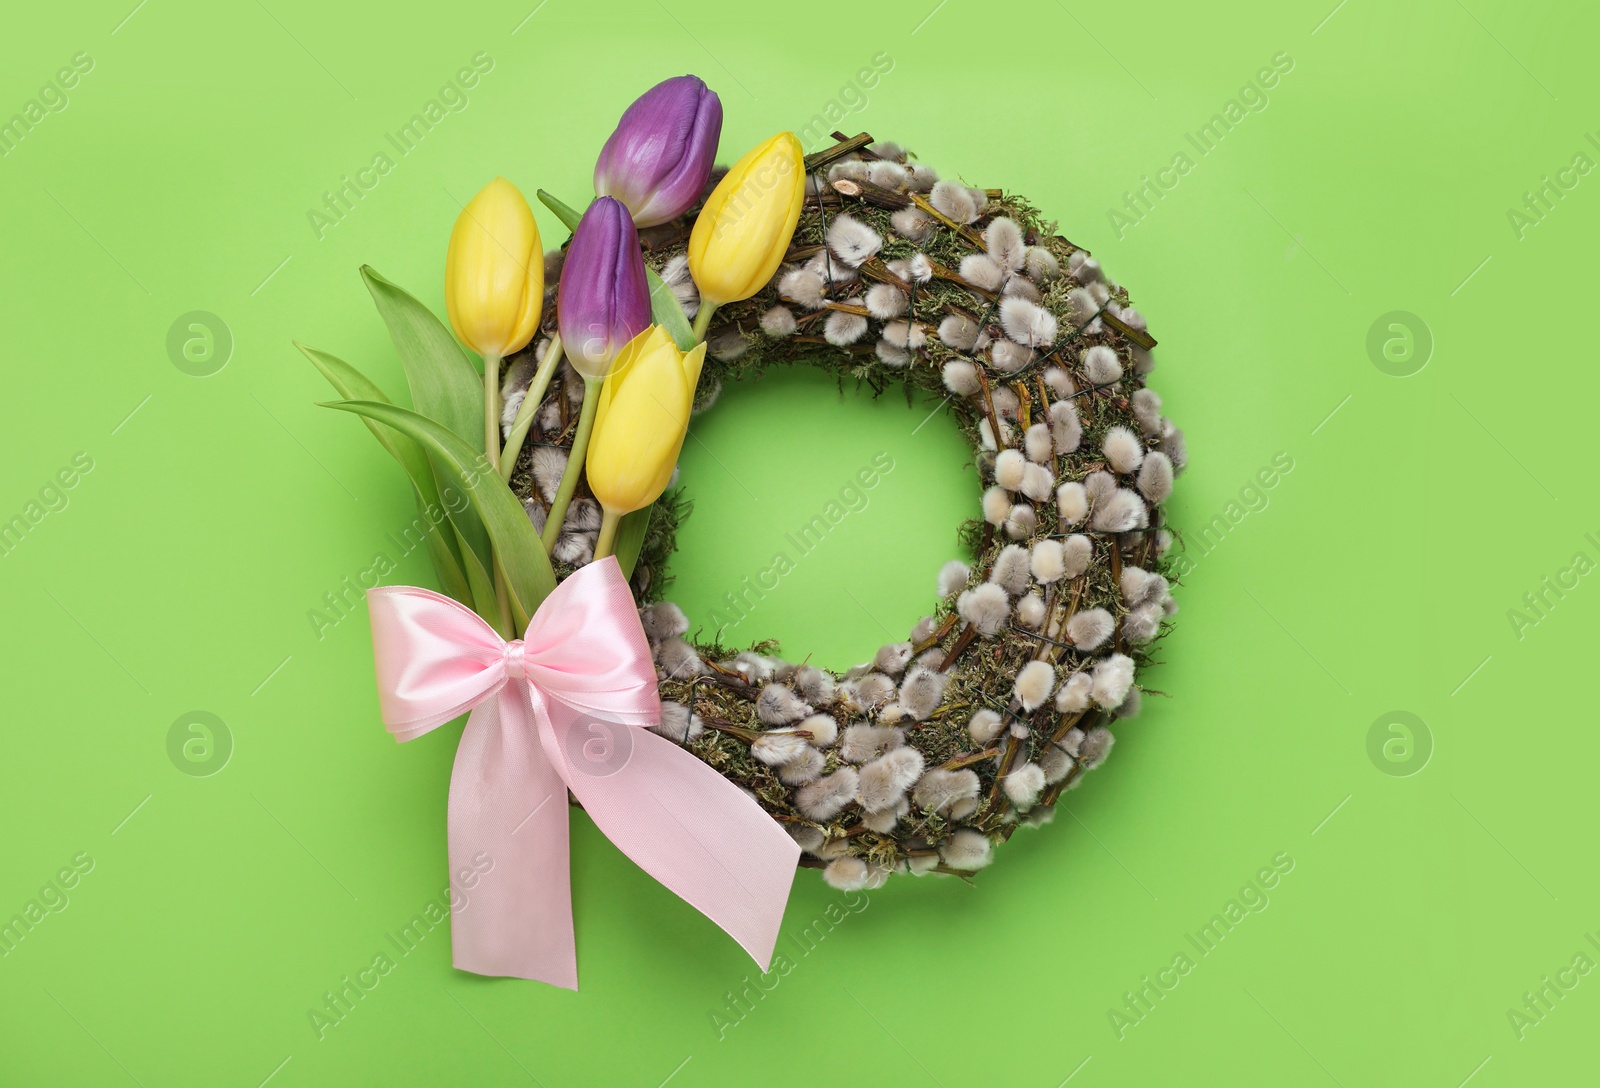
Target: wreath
[(862, 260)]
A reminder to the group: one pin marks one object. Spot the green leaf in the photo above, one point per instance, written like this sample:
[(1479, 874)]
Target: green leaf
[(472, 537), (444, 555), (351, 384), (485, 603), (630, 539), (445, 386), (566, 214), (666, 312), (516, 546)]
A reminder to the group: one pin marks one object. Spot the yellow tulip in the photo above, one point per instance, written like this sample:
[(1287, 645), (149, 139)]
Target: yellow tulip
[(640, 422), (494, 272), (741, 234)]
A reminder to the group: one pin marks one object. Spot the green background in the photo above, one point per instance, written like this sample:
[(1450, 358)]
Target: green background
[(1375, 577)]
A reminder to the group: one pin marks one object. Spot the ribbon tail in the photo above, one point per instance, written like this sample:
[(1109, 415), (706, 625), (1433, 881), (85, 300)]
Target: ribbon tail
[(680, 821), (508, 837)]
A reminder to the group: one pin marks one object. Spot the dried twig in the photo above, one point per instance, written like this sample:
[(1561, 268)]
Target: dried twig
[(845, 146)]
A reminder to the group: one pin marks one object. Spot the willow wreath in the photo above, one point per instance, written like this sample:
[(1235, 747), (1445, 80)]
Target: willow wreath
[(1010, 690)]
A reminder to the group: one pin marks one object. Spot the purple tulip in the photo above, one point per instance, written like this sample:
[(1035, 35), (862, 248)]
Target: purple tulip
[(603, 300), (658, 159)]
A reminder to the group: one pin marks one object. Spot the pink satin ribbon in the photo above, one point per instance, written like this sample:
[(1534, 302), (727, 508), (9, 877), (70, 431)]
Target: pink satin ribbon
[(561, 708)]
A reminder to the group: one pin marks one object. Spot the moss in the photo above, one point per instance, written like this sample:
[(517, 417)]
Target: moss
[(652, 575)]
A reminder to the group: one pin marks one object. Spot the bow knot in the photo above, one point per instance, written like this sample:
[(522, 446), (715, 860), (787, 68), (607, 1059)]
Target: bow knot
[(588, 680), (512, 659)]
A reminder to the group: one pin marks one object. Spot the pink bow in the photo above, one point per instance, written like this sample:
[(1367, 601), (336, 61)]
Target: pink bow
[(559, 709)]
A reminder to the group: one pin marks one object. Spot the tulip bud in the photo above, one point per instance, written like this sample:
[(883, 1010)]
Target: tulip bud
[(494, 272), (641, 421), (658, 159), (741, 234), (603, 301)]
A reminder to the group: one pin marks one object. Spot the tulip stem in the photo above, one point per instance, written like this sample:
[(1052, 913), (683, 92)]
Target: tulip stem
[(491, 410), (608, 533), (491, 451), (574, 469), (702, 320), (530, 406)]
